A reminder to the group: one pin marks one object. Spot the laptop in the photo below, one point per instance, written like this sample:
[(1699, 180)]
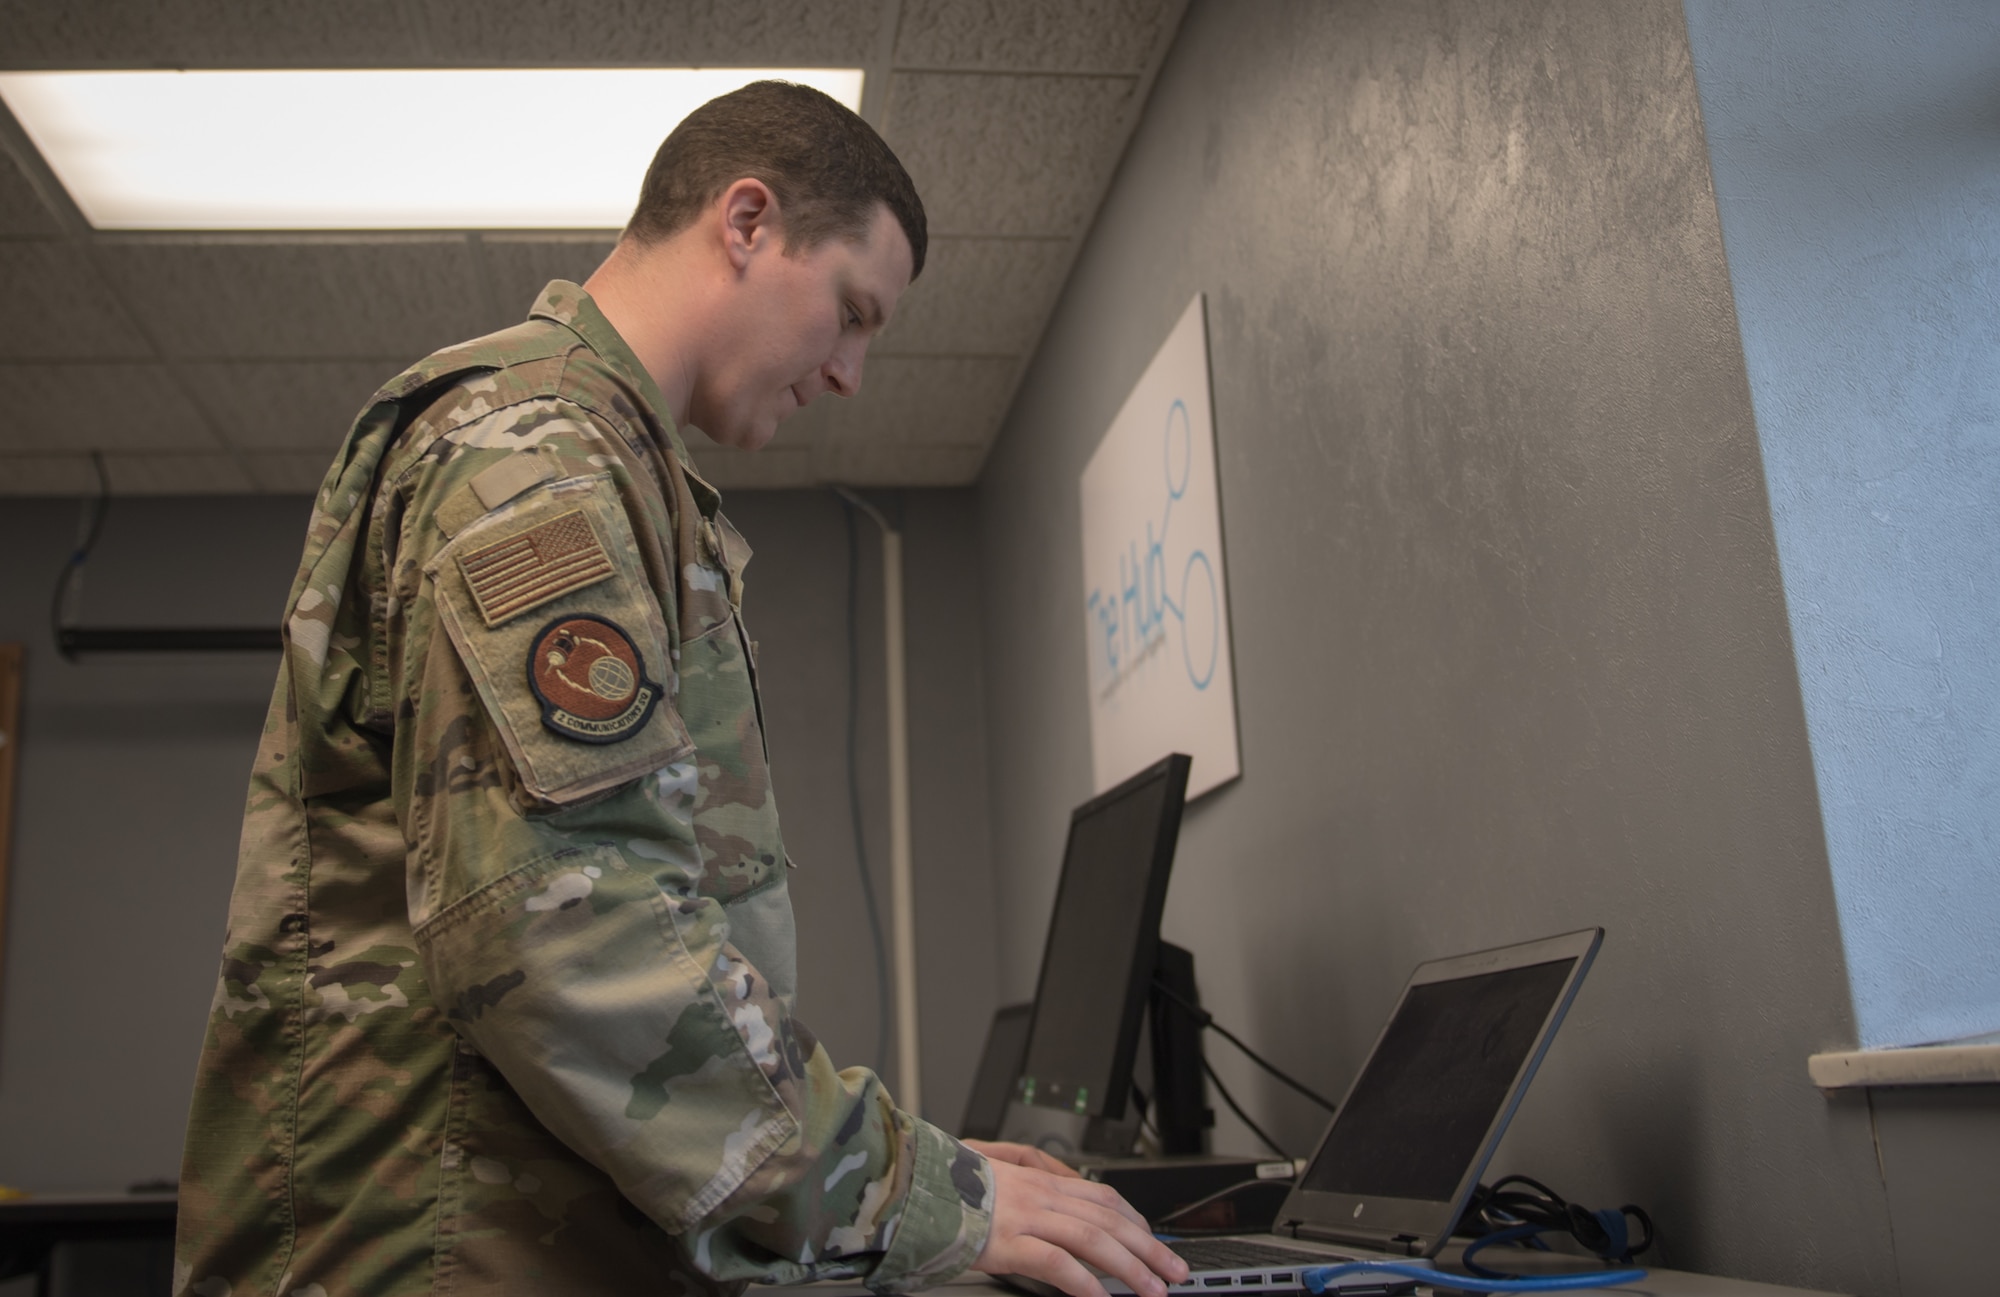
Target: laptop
[(1417, 1127)]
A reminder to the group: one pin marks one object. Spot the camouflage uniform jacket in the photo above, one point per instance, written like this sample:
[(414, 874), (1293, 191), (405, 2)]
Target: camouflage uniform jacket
[(506, 998)]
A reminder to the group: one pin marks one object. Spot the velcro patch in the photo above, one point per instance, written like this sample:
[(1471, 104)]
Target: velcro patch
[(590, 679), (524, 571)]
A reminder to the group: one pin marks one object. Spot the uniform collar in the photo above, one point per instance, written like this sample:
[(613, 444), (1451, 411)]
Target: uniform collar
[(570, 306)]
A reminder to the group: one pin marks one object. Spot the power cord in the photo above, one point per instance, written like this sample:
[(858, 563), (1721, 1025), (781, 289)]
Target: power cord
[(1237, 1108), (90, 526), (1204, 1019)]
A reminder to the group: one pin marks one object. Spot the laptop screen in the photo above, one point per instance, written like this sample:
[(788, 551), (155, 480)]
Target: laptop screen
[(1445, 1066)]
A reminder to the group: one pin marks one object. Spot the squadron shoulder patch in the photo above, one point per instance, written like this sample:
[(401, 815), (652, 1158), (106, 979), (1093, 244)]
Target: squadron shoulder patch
[(590, 680), (528, 569)]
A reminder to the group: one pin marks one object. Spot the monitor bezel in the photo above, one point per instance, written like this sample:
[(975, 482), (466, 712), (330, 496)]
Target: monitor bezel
[(1110, 1106), (1421, 1227)]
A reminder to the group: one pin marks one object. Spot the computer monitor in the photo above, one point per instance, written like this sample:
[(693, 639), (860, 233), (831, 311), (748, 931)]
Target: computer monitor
[(1103, 944), (999, 1068)]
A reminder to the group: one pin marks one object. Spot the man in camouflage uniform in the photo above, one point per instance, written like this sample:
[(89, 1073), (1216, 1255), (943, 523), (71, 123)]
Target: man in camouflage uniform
[(506, 998)]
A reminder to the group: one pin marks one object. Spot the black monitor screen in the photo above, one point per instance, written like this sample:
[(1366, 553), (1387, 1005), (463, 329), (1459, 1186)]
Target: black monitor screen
[(1435, 1084), (1103, 939), (999, 1068)]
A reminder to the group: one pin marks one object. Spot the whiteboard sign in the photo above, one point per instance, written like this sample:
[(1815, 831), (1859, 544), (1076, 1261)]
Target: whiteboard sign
[(1156, 609)]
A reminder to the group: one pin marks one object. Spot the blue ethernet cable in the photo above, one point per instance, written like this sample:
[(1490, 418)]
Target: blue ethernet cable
[(1319, 1278)]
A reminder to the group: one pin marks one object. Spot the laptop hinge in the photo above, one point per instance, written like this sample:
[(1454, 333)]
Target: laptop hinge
[(1407, 1244)]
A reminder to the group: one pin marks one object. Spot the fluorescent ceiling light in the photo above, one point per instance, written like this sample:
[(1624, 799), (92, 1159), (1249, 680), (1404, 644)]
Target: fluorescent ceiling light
[(541, 148)]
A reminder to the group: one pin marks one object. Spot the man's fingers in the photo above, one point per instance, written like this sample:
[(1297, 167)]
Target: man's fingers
[(1117, 1246), (1050, 1264), (1103, 1207), (1090, 1241), (1106, 1239), (1053, 1165), (1103, 1195), (1049, 1227)]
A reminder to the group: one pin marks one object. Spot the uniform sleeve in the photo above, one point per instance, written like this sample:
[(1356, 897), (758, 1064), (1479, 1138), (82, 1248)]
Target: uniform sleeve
[(569, 922)]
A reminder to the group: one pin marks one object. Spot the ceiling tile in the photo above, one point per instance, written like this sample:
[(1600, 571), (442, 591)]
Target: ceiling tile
[(275, 341), (294, 405), (84, 407), (418, 33), (22, 210), (53, 305), (979, 297), (995, 154), (223, 298), (868, 465), (288, 472), (808, 33), (1032, 35), (521, 266), (202, 33)]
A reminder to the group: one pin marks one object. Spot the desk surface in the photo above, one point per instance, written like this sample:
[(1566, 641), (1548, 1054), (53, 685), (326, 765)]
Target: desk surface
[(1658, 1283)]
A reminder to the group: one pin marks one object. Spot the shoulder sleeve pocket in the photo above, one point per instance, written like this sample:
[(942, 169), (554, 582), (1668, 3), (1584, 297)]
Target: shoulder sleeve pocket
[(545, 601)]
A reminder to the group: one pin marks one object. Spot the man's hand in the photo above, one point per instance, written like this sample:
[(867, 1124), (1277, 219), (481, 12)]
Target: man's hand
[(1019, 1155), (1048, 1223)]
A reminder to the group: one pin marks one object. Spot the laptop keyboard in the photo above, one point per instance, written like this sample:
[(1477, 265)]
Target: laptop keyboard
[(1239, 1253)]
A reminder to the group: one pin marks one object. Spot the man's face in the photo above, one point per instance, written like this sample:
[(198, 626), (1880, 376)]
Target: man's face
[(800, 326)]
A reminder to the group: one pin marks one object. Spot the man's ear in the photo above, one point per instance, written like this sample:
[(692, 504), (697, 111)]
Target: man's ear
[(749, 214)]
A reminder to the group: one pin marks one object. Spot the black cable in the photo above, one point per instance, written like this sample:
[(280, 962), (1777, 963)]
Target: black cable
[(854, 788), (1142, 1105), (1205, 1019), (1495, 1215), (1241, 1115), (81, 554)]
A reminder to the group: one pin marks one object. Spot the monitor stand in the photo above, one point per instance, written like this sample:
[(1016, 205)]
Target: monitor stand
[(1179, 1104), (1168, 1070)]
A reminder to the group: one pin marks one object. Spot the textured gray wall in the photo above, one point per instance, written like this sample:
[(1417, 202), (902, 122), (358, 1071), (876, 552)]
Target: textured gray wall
[(1511, 647), (133, 770)]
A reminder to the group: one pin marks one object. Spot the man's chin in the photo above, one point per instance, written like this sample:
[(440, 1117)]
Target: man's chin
[(743, 438)]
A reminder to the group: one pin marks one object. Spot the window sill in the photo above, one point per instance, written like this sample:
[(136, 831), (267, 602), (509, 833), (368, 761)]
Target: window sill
[(1923, 1065)]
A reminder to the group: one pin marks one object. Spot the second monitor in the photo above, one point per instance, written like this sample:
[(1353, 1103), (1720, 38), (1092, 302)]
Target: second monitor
[(1103, 947)]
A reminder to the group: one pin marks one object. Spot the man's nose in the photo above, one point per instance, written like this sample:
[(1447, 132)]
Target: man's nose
[(842, 372)]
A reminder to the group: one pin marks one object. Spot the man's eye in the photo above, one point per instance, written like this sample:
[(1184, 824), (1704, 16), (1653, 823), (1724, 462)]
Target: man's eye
[(853, 318)]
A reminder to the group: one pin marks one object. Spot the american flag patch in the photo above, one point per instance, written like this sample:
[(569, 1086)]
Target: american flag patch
[(525, 571)]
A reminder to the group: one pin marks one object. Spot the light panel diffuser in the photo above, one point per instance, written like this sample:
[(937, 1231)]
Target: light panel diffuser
[(540, 148)]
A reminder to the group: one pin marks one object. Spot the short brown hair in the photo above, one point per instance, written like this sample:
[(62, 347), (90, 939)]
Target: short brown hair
[(828, 168)]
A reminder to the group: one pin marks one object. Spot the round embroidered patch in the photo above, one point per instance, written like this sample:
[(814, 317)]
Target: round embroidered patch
[(590, 680)]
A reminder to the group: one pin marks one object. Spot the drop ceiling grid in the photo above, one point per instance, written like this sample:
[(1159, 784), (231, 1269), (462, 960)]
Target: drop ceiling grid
[(234, 362)]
